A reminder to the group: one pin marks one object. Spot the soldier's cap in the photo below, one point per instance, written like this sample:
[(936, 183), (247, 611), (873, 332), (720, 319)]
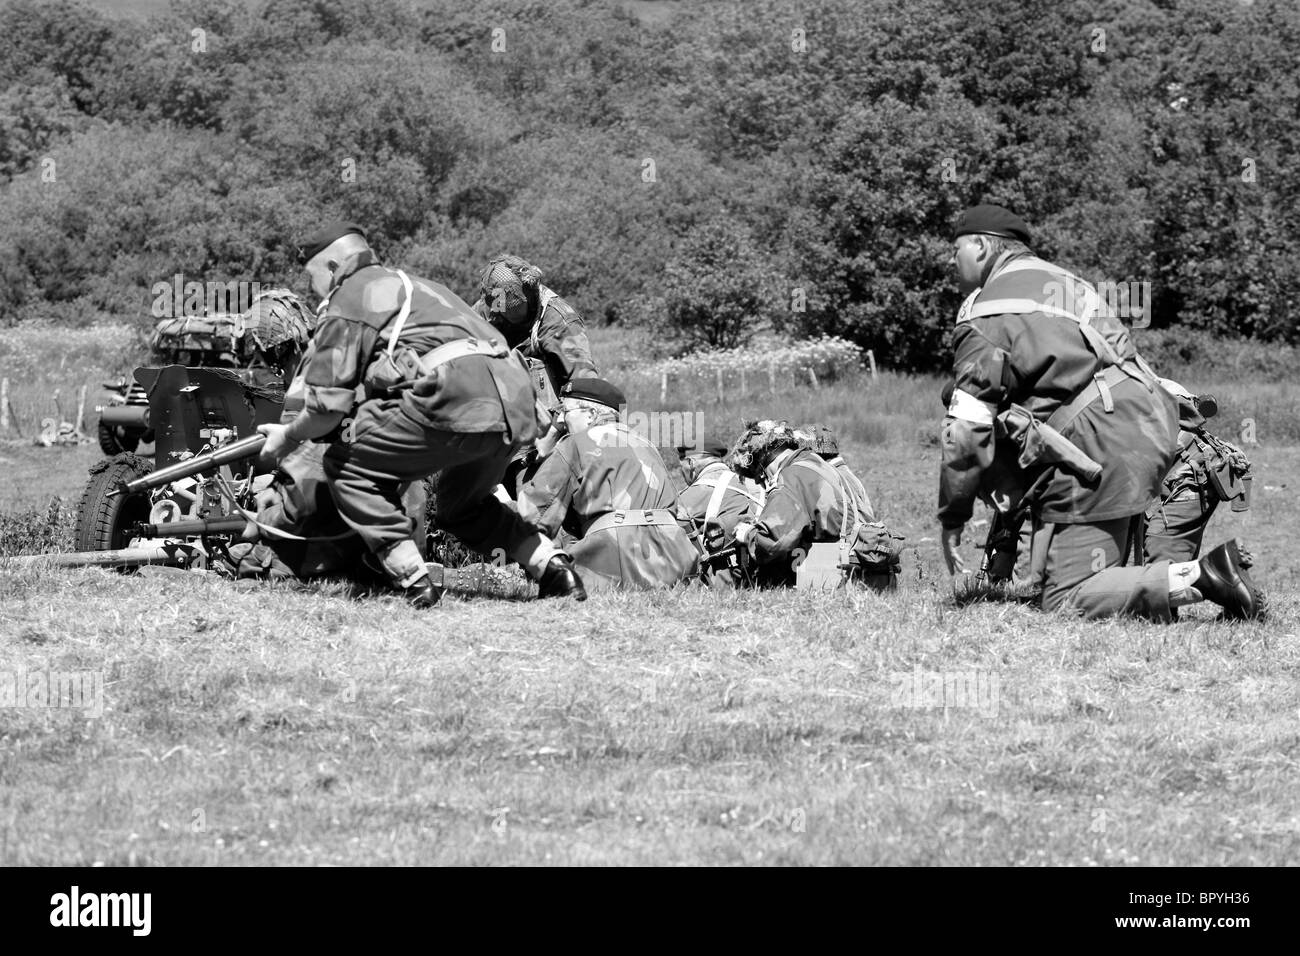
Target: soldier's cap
[(320, 240), (989, 220), (594, 390), (705, 446)]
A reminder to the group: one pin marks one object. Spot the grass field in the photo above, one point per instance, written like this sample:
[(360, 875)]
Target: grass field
[(256, 724)]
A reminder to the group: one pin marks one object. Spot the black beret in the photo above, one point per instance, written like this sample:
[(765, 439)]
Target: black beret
[(991, 221), (312, 246), (594, 390), (705, 446)]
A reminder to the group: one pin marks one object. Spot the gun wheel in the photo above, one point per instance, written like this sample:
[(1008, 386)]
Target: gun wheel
[(112, 443), (104, 520)]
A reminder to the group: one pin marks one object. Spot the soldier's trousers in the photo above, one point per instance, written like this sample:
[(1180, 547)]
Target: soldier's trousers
[(1079, 568), (1176, 528), (389, 448)]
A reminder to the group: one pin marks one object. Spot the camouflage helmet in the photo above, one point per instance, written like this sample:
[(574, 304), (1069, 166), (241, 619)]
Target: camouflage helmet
[(761, 442), (276, 317), (820, 439), (507, 282)]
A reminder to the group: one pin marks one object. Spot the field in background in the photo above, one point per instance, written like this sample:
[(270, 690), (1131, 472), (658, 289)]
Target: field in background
[(684, 727)]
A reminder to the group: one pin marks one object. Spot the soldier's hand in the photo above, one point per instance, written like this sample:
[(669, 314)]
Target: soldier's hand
[(745, 536), (277, 447), (951, 540)]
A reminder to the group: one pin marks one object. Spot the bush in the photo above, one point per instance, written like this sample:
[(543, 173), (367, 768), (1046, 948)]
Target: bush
[(717, 291)]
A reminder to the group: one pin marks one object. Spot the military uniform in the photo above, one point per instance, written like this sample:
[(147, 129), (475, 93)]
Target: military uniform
[(1020, 339), (609, 488), (711, 507), (805, 505), (556, 337), (853, 484), (464, 418), (1207, 471)]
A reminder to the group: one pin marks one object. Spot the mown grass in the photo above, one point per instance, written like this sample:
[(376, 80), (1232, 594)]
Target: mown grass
[(674, 728), (270, 724)]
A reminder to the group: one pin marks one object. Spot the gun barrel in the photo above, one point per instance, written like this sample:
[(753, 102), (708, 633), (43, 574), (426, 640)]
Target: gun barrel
[(235, 451), (121, 558), (191, 526)]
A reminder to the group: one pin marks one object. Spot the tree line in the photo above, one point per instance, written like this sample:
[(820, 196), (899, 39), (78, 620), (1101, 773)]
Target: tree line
[(702, 169)]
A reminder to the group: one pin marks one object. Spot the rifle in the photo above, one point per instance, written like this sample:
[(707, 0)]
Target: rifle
[(1001, 548)]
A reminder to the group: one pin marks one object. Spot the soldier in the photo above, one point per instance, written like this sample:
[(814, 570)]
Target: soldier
[(715, 501), (535, 321), (1207, 471), (1032, 337), (806, 503), (547, 331), (442, 394), (822, 440), (609, 488)]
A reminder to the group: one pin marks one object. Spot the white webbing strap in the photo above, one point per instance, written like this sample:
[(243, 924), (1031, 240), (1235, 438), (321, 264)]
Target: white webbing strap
[(402, 314), (459, 348), (632, 519), (544, 297), (720, 487)]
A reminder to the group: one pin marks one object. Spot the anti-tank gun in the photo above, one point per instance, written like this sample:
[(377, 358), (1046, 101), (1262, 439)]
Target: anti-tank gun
[(198, 502)]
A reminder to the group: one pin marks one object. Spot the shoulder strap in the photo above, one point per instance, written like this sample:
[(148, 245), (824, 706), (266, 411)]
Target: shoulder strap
[(544, 297), (715, 500), (1099, 387), (402, 314), (848, 504)]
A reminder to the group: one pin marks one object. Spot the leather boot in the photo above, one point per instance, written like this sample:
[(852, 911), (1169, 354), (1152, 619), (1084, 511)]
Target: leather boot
[(560, 579), (1224, 581), (422, 593)]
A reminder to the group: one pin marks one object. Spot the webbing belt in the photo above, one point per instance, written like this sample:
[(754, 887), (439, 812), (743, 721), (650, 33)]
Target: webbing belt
[(632, 519), (1100, 386), (450, 351)]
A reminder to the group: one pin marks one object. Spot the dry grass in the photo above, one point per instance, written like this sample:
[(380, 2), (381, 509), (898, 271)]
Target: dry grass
[(272, 725)]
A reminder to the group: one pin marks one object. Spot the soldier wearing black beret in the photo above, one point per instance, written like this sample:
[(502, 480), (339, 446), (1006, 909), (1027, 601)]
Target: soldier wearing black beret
[(1033, 337)]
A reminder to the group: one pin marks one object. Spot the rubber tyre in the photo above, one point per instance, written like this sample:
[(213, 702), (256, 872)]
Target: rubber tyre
[(108, 442), (103, 520), (113, 444)]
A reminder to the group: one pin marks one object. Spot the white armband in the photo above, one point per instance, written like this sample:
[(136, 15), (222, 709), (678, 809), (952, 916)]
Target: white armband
[(968, 408)]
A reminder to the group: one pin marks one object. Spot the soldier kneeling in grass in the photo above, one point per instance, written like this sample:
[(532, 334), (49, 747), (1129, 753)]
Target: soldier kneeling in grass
[(714, 503), (1038, 358), (609, 488), (808, 510)]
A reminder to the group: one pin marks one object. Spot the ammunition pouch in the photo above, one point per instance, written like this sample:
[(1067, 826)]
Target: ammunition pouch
[(1216, 470), (875, 550)]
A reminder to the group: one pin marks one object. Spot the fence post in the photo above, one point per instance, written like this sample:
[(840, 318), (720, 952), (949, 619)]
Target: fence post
[(812, 377), (81, 411), (4, 404), (871, 360), (719, 386), (742, 381)]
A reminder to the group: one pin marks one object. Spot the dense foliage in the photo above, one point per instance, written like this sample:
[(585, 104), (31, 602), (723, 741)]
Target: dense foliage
[(705, 168)]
